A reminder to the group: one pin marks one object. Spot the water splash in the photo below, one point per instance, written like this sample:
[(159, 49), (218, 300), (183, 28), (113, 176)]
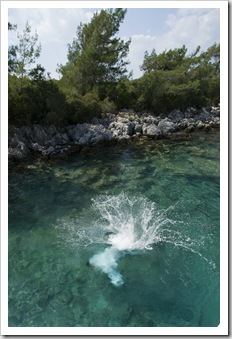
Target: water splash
[(131, 224), (128, 225), (107, 261)]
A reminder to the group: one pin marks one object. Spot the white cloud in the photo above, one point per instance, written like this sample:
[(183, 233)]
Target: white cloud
[(52, 25), (193, 27), (189, 27), (57, 27)]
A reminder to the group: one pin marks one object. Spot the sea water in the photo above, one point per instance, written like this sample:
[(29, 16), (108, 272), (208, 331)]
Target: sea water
[(121, 235)]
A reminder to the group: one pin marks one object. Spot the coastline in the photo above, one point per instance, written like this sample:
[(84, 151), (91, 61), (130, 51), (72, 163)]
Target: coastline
[(53, 142)]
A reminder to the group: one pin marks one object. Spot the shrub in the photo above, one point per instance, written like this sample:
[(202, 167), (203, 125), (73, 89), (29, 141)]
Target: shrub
[(84, 108), (108, 106)]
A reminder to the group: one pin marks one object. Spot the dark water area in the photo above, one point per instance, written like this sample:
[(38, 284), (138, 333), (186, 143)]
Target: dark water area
[(122, 235)]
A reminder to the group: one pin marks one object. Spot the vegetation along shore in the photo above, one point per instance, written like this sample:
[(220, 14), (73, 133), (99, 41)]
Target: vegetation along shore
[(96, 100)]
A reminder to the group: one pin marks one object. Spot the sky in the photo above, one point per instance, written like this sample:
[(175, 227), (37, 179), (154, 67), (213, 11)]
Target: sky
[(148, 28)]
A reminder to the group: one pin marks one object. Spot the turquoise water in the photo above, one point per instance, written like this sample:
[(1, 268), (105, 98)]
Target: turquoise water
[(117, 236)]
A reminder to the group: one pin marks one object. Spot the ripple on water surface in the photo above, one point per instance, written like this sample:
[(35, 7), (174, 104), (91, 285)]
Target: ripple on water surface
[(120, 236)]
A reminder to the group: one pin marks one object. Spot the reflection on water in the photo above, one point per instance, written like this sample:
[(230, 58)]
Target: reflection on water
[(120, 236)]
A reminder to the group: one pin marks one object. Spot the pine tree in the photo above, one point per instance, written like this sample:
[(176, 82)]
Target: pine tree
[(96, 57), (28, 50)]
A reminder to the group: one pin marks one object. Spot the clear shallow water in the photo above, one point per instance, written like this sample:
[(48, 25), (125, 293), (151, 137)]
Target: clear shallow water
[(119, 236)]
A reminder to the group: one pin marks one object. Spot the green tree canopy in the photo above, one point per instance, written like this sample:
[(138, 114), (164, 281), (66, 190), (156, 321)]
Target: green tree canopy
[(26, 52), (175, 79), (165, 61), (96, 56), (95, 79), (12, 52)]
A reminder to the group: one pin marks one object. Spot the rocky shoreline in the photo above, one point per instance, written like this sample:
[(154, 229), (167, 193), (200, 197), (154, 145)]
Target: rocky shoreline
[(58, 142)]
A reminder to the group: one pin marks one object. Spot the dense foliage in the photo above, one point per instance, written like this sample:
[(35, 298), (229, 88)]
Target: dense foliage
[(95, 79), (96, 56), (174, 79)]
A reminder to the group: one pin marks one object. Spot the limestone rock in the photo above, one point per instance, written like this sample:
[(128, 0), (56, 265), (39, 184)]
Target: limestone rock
[(48, 151), (21, 151), (35, 147), (81, 129), (52, 141), (176, 115), (84, 139), (39, 134), (190, 128), (166, 126), (151, 130), (130, 128), (200, 124), (138, 128)]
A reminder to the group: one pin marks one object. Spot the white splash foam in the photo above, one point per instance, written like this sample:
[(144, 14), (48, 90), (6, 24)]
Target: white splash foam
[(132, 224), (107, 261), (127, 225)]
